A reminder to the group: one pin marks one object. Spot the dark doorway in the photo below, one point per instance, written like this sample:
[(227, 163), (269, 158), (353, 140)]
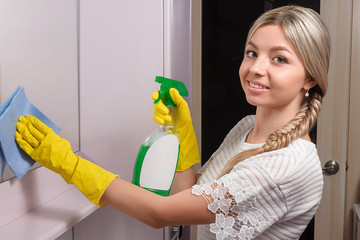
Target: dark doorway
[(224, 29)]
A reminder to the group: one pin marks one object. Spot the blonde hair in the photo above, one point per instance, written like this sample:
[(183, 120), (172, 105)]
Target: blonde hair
[(310, 38)]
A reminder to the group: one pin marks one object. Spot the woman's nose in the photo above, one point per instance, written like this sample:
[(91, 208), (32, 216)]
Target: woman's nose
[(259, 66)]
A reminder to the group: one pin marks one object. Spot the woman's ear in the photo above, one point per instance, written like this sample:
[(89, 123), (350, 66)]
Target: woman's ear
[(309, 83)]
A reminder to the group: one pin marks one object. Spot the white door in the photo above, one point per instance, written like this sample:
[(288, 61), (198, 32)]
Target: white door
[(338, 135)]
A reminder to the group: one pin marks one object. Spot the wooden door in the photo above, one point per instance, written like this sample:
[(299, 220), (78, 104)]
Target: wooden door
[(338, 126)]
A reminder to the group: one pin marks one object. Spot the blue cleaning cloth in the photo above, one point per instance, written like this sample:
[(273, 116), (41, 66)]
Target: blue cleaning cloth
[(10, 111)]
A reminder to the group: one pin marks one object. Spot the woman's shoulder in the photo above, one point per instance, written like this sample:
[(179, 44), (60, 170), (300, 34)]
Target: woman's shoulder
[(301, 155), (292, 169), (241, 128), (245, 123), (236, 135), (232, 144)]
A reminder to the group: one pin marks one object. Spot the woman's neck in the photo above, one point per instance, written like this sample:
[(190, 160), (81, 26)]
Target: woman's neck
[(267, 121)]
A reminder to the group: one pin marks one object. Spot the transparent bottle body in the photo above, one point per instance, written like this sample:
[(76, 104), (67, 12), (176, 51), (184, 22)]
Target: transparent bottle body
[(156, 162)]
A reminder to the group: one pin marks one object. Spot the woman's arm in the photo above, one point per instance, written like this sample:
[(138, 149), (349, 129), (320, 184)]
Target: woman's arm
[(101, 186), (182, 208), (183, 180)]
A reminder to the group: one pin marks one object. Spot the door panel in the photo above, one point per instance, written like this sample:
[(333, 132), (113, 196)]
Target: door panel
[(333, 124), (353, 173)]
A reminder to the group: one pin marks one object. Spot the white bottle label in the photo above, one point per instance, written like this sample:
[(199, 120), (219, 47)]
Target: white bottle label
[(159, 164)]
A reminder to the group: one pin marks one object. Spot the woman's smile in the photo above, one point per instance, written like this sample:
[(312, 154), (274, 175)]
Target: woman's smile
[(256, 87), (271, 73)]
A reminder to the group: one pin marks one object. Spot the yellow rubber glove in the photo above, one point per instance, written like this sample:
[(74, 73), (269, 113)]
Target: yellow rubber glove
[(189, 152), (55, 153)]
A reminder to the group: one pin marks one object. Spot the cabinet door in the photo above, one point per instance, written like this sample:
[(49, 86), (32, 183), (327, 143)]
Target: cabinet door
[(121, 52), (38, 50)]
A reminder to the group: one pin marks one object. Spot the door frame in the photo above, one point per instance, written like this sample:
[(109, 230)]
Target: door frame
[(196, 27), (353, 173)]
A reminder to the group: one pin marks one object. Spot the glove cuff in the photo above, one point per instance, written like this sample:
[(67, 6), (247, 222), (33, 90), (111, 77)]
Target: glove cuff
[(189, 151), (91, 180)]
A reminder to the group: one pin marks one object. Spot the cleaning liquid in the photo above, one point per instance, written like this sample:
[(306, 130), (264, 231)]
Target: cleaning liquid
[(157, 158)]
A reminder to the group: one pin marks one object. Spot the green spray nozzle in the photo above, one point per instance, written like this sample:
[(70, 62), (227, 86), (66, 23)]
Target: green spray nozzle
[(164, 93)]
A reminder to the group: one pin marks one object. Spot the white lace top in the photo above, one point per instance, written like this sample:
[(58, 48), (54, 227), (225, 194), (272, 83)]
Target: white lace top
[(273, 195)]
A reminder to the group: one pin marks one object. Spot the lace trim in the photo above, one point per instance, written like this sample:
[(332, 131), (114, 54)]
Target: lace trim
[(233, 200)]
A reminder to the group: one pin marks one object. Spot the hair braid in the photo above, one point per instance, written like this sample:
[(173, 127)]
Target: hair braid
[(300, 125)]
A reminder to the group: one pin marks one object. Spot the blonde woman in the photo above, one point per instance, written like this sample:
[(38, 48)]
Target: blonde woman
[(265, 180)]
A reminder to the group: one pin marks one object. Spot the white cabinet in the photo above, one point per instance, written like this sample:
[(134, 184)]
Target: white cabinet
[(121, 52), (90, 66), (39, 50)]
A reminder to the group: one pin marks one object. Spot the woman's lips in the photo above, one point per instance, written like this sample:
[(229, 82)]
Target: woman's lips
[(256, 86)]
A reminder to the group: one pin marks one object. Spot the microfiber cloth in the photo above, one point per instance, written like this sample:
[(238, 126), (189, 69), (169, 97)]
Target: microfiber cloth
[(10, 111)]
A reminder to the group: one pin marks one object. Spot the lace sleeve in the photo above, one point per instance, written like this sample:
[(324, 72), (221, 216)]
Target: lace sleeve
[(244, 208)]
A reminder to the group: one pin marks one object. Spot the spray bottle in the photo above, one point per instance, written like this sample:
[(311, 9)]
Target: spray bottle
[(157, 158)]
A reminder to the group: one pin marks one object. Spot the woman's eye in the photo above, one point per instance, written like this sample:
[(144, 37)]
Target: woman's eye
[(250, 53), (280, 60)]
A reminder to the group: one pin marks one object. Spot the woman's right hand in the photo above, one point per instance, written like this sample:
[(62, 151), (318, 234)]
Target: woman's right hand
[(161, 112), (189, 152), (181, 112)]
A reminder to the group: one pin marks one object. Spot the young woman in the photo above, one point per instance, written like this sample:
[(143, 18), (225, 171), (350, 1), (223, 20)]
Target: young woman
[(265, 180)]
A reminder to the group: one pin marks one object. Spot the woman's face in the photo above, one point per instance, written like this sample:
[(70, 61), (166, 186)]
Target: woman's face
[(271, 73)]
